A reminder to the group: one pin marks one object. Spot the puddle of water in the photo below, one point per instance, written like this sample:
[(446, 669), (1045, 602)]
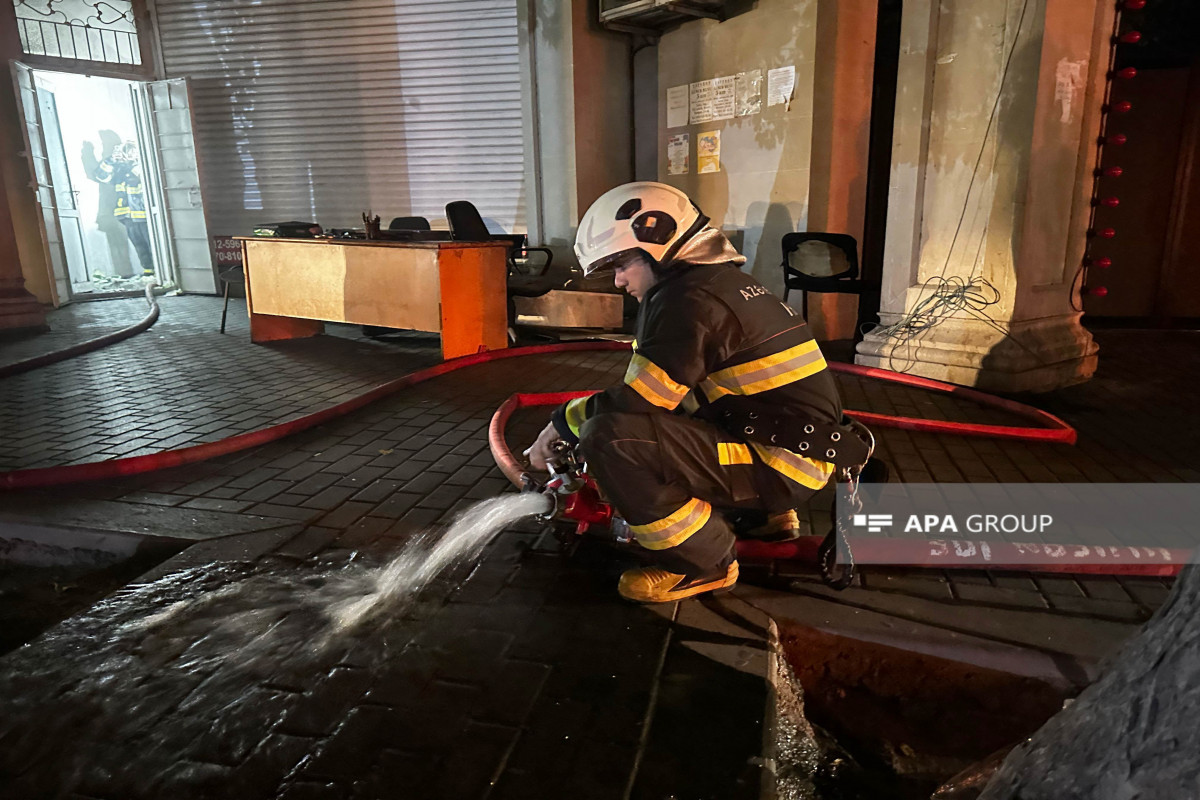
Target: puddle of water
[(224, 636)]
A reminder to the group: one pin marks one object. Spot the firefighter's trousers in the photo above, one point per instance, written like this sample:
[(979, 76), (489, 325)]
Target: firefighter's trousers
[(669, 476)]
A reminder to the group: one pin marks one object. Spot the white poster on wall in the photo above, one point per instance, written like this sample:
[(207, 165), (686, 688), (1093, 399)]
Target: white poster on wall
[(678, 154), (749, 92), (781, 83), (677, 106), (701, 96), (724, 97), (712, 99)]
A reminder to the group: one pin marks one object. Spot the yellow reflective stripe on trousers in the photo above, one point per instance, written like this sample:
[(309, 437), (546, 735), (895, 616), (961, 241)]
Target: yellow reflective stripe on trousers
[(653, 383), (768, 372), (804, 471), (676, 529), (576, 414), (730, 453)]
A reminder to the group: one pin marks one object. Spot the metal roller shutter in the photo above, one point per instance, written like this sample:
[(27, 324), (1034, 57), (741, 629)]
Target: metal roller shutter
[(322, 109)]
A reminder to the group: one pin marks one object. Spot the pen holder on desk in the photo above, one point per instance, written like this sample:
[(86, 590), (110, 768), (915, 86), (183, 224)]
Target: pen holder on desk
[(371, 225)]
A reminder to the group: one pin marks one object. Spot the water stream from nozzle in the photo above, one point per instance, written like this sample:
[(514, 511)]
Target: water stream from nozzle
[(216, 633), (415, 566), (346, 599)]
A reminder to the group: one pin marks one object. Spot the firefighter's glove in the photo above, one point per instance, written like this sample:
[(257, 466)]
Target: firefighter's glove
[(540, 451)]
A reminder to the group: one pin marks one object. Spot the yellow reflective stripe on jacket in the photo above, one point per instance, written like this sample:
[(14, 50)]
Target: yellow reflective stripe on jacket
[(136, 214), (729, 453), (768, 372), (653, 383), (121, 211), (576, 414), (675, 529), (804, 471)]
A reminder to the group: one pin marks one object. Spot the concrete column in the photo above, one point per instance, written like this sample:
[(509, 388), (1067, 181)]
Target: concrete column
[(18, 308), (995, 128), (578, 116), (837, 197)]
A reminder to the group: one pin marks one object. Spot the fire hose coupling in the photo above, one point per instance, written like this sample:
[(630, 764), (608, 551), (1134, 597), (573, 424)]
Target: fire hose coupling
[(566, 469), (574, 496)]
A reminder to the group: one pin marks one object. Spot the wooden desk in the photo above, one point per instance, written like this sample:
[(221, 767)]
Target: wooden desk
[(457, 289)]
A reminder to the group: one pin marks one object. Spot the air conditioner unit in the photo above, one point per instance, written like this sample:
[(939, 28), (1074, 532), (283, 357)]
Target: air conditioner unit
[(654, 17)]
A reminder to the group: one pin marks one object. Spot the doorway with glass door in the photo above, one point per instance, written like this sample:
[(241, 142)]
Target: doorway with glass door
[(103, 186)]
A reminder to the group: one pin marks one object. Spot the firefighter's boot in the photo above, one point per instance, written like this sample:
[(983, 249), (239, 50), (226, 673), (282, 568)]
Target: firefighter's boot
[(656, 585)]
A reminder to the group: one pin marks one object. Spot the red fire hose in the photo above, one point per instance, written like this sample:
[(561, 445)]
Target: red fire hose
[(46, 359), (890, 551), (136, 465), (936, 554)]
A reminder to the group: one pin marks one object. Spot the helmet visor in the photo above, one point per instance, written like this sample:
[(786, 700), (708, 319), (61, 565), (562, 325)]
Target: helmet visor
[(606, 265)]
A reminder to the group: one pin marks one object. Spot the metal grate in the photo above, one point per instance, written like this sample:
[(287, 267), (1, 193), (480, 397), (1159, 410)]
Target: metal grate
[(103, 31)]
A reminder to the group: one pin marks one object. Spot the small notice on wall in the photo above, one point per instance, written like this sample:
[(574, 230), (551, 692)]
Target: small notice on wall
[(677, 106), (781, 83), (712, 100), (749, 92), (708, 152), (678, 152)]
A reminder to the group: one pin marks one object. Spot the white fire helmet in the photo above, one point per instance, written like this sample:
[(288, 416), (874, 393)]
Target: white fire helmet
[(652, 217)]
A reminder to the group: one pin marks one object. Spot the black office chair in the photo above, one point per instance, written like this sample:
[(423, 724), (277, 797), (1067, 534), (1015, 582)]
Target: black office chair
[(820, 262), (466, 225), (408, 224)]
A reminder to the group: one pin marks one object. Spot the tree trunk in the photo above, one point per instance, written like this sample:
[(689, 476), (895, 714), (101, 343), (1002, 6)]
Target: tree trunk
[(1135, 733)]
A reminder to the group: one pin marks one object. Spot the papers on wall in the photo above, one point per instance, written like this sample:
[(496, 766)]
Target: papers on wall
[(678, 151), (781, 83), (749, 92), (712, 99), (677, 106), (708, 152)]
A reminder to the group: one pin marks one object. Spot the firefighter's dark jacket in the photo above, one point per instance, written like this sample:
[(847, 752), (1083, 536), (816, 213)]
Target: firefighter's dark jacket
[(714, 331), (126, 179)]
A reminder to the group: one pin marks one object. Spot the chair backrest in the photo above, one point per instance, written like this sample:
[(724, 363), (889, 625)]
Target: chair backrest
[(829, 256), (408, 224), (465, 223)]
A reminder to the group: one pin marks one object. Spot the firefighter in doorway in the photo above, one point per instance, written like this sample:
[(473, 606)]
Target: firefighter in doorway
[(727, 402), (123, 170)]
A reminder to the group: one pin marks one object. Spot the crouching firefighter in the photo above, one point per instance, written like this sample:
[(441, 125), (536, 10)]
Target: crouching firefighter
[(727, 403)]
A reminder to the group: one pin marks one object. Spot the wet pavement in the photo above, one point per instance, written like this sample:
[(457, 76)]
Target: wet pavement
[(179, 383), (520, 674)]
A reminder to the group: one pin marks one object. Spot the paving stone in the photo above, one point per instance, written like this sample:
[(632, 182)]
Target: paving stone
[(997, 595), (396, 505), (1105, 587), (320, 711), (155, 498), (315, 483), (345, 514), (313, 790), (286, 512), (217, 504), (1150, 592), (353, 748), (329, 498), (364, 532), (308, 542), (476, 760), (1090, 607), (511, 691), (932, 585)]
